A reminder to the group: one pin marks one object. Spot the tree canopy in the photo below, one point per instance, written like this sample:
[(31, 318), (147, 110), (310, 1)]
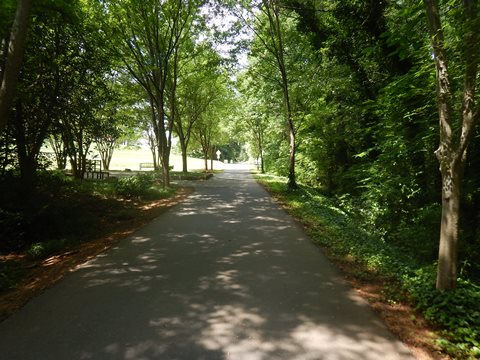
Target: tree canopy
[(360, 100)]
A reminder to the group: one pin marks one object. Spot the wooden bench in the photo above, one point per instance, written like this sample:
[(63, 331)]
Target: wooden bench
[(147, 165)]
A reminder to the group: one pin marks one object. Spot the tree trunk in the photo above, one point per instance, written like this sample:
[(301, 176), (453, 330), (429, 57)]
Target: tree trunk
[(15, 50), (184, 159), (59, 149), (211, 163), (260, 146), (166, 171), (292, 181), (447, 253), (183, 147), (26, 163)]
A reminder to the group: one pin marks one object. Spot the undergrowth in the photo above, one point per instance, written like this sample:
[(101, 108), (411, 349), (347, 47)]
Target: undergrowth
[(62, 212), (456, 312)]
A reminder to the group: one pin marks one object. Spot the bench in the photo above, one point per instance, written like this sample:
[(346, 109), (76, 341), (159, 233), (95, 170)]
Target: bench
[(147, 165)]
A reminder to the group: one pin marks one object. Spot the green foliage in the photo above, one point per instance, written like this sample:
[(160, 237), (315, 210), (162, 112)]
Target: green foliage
[(456, 311), (10, 274), (133, 186), (42, 250), (423, 223), (11, 224), (330, 225), (145, 186), (70, 207)]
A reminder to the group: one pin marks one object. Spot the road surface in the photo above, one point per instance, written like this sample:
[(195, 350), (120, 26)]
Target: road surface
[(225, 275)]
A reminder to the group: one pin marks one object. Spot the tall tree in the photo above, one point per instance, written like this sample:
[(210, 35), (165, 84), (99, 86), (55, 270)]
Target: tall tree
[(253, 117), (197, 91), (62, 82), (454, 140), (152, 33), (273, 40), (209, 129)]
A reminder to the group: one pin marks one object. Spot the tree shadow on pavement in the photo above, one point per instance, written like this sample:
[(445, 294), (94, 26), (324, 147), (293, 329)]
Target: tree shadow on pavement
[(225, 275)]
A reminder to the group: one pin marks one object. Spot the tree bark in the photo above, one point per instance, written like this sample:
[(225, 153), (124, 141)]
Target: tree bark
[(16, 48), (26, 163), (184, 159), (205, 158), (447, 253), (452, 151)]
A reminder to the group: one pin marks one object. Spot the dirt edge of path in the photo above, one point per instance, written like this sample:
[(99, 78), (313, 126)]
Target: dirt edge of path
[(43, 274)]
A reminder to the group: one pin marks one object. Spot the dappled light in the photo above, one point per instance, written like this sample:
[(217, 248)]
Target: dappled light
[(360, 117), (238, 282)]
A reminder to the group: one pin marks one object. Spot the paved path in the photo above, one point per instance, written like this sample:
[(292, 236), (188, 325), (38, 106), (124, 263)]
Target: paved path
[(225, 275)]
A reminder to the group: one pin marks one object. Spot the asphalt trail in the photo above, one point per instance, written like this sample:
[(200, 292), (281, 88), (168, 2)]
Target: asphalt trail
[(225, 275)]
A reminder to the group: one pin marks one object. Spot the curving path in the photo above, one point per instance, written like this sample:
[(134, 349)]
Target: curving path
[(225, 275)]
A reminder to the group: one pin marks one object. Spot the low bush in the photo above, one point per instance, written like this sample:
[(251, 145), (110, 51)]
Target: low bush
[(42, 250), (144, 186), (133, 186), (10, 274), (456, 311)]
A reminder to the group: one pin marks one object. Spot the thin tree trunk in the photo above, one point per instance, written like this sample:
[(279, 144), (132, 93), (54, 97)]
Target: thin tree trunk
[(26, 164), (59, 149), (16, 48), (212, 154), (184, 159), (260, 146), (292, 181), (166, 170), (183, 145)]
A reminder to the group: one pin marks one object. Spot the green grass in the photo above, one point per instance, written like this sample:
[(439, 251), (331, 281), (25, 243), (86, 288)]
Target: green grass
[(457, 312)]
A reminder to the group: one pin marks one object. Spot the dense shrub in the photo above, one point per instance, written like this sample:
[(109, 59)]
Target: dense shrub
[(133, 186)]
